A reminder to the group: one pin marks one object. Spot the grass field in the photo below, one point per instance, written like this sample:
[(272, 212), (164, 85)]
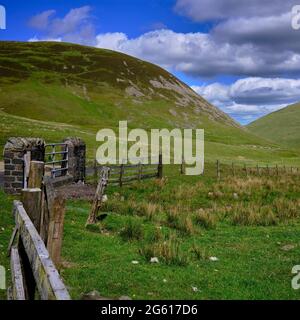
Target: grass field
[(281, 127), (251, 225)]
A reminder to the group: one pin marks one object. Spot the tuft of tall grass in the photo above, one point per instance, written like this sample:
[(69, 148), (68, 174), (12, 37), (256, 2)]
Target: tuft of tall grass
[(133, 230), (206, 219), (167, 251), (253, 215), (178, 219)]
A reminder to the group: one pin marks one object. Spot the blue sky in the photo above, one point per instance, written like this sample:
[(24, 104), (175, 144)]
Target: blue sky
[(242, 56)]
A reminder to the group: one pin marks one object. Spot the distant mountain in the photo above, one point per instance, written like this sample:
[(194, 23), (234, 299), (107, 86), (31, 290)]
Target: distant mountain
[(281, 127), (54, 90)]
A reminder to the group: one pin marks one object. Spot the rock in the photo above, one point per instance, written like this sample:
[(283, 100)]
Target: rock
[(235, 196), (213, 259), (124, 298), (195, 289), (154, 260), (95, 295), (134, 262), (288, 247)]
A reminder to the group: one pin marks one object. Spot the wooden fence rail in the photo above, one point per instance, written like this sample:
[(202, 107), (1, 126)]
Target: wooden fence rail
[(244, 170), (47, 280), (37, 237), (126, 173)]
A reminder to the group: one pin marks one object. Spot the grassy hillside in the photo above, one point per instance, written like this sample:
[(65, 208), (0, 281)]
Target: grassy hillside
[(281, 127), (54, 90)]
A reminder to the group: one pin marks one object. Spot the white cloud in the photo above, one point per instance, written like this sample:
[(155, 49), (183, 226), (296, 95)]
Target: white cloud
[(75, 26), (113, 41), (41, 20), (205, 10), (198, 54), (252, 97), (36, 39)]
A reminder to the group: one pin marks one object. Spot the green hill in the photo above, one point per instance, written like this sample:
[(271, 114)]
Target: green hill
[(54, 90), (281, 127)]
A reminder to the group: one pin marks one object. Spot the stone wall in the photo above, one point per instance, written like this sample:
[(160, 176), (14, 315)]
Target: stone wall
[(77, 158), (14, 167)]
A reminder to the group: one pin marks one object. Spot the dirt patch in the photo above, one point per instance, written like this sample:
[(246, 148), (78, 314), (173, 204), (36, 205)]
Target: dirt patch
[(77, 191)]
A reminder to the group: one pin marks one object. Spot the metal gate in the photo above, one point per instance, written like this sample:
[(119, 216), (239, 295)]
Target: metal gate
[(57, 159)]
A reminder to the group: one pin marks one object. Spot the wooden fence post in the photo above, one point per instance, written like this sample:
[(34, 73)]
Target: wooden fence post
[(36, 174), (103, 181), (182, 169), (55, 230), (160, 167), (95, 171), (31, 199), (48, 198), (140, 171), (122, 170), (257, 170)]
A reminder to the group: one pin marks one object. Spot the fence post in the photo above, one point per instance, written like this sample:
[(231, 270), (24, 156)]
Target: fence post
[(95, 171), (36, 174), (103, 182), (140, 171), (55, 230), (233, 169), (160, 167), (121, 175), (182, 170), (257, 170), (31, 199)]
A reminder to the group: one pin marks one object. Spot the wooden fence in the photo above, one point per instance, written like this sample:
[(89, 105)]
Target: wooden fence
[(35, 245), (31, 265), (259, 171), (126, 173)]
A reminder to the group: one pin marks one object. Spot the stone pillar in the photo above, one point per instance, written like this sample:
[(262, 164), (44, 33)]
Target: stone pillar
[(77, 158), (14, 168)]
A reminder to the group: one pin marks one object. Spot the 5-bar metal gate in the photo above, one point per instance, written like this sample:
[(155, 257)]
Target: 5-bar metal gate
[(56, 158)]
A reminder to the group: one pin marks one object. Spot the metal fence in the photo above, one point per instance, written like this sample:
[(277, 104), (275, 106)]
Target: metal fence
[(56, 157)]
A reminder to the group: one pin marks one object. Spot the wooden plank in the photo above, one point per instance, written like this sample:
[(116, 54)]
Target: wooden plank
[(103, 182), (36, 174), (48, 281), (55, 231), (121, 175), (48, 200), (160, 167), (31, 199), (18, 289), (12, 239)]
